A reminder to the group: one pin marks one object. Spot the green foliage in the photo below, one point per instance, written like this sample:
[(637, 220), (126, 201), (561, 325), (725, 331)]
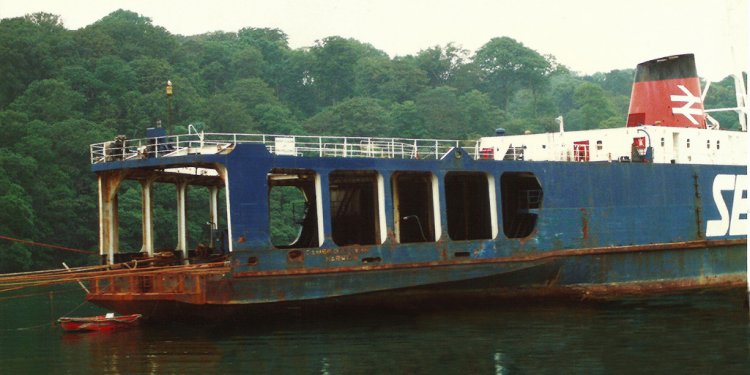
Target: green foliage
[(442, 65), (333, 70), (364, 117), (62, 90), (49, 100), (287, 209), (506, 66), (591, 108)]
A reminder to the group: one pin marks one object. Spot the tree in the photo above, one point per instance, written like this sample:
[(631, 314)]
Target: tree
[(617, 81), (357, 117), (381, 78), (296, 84), (405, 121), (441, 113), (507, 66), (274, 49), (481, 118), (251, 92), (591, 108), (116, 75), (49, 100), (248, 62), (31, 48), (334, 64), (151, 74), (277, 119), (722, 95), (136, 36), (227, 115), (441, 64)]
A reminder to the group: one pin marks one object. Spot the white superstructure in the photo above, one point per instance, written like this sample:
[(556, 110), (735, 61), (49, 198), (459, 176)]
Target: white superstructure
[(669, 145)]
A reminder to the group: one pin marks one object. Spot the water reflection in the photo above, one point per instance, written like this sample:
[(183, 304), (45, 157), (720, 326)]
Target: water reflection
[(699, 334)]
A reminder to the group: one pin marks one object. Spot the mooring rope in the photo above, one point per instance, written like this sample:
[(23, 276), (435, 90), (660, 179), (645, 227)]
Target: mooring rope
[(46, 245), (46, 324), (12, 282)]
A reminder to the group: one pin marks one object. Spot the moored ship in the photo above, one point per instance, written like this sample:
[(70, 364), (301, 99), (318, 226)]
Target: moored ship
[(657, 206)]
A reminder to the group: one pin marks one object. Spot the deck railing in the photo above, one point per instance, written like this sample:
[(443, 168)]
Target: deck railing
[(309, 146)]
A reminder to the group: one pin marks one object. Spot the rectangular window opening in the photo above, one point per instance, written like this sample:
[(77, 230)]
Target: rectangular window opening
[(413, 207), (355, 208), (467, 200), (521, 199), (293, 208)]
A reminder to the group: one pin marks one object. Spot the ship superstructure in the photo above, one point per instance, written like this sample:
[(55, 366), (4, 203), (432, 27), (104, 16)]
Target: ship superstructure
[(657, 206)]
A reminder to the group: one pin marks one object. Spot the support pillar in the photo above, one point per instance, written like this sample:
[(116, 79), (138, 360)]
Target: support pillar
[(182, 221), (147, 226), (109, 241), (213, 206)]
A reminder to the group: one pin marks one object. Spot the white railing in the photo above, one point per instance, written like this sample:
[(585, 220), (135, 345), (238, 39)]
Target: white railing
[(309, 146)]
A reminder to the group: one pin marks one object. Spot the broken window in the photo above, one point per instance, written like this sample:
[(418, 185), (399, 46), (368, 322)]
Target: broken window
[(355, 207), (292, 204), (468, 207), (414, 206), (521, 199)]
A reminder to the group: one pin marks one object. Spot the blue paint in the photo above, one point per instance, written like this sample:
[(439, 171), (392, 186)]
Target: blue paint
[(586, 206)]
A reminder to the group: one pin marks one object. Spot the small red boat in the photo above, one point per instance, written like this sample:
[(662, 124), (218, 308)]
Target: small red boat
[(102, 323)]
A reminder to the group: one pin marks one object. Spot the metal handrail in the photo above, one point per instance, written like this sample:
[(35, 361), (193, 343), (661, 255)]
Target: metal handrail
[(309, 146)]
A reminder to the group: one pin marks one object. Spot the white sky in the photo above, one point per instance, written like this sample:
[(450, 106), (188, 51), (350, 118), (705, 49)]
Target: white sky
[(586, 35)]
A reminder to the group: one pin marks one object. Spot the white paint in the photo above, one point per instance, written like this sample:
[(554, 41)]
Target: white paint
[(738, 225), (285, 146), (690, 100), (382, 228), (319, 209), (213, 207), (147, 226), (436, 208), (182, 221), (493, 204), (726, 147), (730, 222), (102, 213), (225, 176), (720, 227)]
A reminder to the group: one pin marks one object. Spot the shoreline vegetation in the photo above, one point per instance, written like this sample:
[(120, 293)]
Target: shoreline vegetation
[(63, 89)]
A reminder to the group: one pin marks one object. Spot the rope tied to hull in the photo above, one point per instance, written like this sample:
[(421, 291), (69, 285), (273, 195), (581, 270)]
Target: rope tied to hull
[(40, 244), (17, 281)]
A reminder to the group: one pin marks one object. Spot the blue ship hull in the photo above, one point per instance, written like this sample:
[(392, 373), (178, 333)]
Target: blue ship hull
[(591, 230)]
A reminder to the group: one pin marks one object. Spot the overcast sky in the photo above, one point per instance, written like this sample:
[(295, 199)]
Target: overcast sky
[(586, 35)]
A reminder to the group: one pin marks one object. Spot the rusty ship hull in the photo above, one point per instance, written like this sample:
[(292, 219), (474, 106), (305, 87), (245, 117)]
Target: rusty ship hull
[(658, 206)]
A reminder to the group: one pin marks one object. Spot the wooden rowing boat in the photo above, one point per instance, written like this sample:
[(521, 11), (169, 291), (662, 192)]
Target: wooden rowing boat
[(102, 323)]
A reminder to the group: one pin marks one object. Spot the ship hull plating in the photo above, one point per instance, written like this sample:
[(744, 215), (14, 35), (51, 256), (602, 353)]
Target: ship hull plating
[(451, 231)]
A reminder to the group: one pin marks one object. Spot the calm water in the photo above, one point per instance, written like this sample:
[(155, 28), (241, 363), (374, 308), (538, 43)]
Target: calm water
[(696, 334)]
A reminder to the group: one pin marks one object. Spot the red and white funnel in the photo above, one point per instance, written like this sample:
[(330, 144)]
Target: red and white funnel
[(667, 92)]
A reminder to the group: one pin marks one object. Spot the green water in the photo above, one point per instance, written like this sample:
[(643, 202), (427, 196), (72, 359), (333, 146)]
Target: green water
[(695, 334)]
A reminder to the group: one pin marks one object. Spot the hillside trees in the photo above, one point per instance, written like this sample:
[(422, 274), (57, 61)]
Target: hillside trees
[(62, 90)]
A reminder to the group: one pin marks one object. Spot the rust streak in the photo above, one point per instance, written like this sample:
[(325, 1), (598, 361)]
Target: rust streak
[(689, 245), (584, 223)]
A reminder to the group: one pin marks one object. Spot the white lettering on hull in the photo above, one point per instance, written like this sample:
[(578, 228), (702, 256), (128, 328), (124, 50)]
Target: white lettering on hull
[(735, 222)]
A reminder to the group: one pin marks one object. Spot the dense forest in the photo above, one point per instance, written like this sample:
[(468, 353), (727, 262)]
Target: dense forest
[(62, 90)]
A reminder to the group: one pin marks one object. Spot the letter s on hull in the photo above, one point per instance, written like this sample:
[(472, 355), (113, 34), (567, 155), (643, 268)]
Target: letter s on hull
[(733, 222)]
